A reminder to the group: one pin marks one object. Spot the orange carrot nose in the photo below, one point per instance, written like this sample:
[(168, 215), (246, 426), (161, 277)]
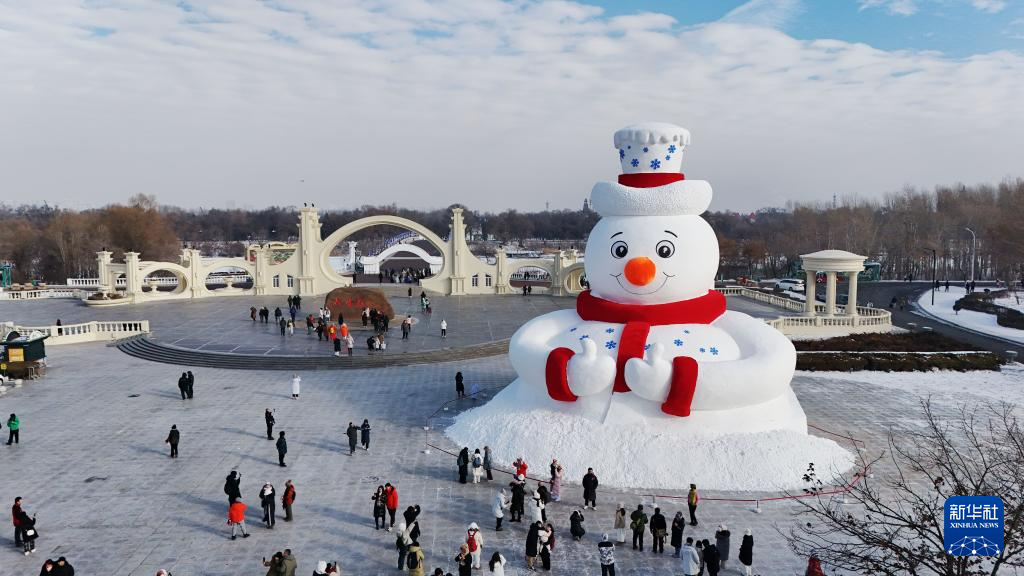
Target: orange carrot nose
[(640, 271)]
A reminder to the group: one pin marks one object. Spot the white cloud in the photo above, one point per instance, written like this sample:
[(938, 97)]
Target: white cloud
[(766, 13), (493, 104), (990, 6), (897, 7)]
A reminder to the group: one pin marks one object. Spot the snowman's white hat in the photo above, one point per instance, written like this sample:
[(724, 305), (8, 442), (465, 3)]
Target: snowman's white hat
[(651, 183)]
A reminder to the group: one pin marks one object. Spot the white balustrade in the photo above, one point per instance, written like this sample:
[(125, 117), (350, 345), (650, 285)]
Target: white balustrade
[(95, 331)]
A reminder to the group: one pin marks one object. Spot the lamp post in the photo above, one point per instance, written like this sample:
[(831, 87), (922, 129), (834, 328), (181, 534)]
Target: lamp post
[(934, 259), (974, 241)]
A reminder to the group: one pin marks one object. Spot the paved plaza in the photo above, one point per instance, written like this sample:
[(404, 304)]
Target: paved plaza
[(93, 467)]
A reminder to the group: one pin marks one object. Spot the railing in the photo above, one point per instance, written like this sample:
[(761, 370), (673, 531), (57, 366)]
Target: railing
[(41, 294), (866, 317), (158, 280), (85, 332), (539, 276)]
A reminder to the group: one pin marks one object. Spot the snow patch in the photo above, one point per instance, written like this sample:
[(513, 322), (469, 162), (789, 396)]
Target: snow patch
[(977, 321)]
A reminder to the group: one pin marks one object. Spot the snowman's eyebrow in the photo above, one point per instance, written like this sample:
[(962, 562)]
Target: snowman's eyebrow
[(616, 234), (672, 233)]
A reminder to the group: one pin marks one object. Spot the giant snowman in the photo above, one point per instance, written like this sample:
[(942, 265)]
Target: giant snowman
[(650, 360)]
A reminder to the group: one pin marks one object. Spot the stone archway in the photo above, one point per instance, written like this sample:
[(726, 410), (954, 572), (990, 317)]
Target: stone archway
[(181, 273), (572, 279), (338, 236)]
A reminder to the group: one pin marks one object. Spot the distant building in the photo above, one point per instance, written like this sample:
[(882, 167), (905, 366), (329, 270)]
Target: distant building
[(586, 205)]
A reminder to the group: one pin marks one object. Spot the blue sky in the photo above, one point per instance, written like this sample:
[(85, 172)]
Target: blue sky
[(957, 28), (501, 103)]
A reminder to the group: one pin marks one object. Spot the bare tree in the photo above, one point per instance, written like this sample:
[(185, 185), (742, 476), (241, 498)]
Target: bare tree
[(892, 524)]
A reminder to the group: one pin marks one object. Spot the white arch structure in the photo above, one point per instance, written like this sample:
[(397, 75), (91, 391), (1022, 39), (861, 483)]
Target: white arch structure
[(371, 264), (308, 272)]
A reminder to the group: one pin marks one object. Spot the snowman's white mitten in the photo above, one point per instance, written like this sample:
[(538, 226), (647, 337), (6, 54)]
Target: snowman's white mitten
[(650, 378), (589, 372)]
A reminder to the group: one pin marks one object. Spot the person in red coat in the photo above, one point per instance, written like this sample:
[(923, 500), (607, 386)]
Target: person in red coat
[(236, 517), (521, 467), (392, 502), (814, 567)]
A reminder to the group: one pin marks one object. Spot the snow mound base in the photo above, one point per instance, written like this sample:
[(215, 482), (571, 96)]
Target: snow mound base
[(644, 454)]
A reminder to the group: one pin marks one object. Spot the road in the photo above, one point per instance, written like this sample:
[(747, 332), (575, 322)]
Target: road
[(882, 292)]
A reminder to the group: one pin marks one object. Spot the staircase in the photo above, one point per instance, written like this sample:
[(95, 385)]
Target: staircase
[(154, 351)]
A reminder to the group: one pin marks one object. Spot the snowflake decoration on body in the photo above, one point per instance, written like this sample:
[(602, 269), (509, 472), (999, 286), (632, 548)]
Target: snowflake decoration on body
[(573, 329), (672, 149), (677, 342), (714, 351), (622, 153), (655, 164), (611, 344), (585, 336), (702, 350), (645, 149), (634, 163), (609, 330)]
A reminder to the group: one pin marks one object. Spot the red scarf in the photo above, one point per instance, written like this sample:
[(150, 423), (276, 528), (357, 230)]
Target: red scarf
[(637, 320)]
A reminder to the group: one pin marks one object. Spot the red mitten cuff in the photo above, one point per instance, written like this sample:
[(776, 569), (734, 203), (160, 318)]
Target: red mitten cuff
[(684, 384), (556, 375)]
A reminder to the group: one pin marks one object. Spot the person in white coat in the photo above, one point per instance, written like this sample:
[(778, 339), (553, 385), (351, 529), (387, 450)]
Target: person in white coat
[(296, 384), (537, 507), (691, 561), (444, 328), (497, 564), (501, 503), (473, 536)]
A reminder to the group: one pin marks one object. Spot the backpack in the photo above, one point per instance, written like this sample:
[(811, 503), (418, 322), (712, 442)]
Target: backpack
[(477, 462), (399, 543), (471, 541), (411, 561)]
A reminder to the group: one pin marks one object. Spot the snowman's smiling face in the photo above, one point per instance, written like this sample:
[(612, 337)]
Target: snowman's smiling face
[(651, 259)]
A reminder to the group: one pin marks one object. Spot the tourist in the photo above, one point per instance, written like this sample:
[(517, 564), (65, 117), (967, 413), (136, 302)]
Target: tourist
[(814, 567), (487, 462), (282, 448), (380, 500), (402, 543), (414, 559), (638, 523), (269, 417), (478, 466), (183, 385), (659, 529), (464, 561), (265, 315), (267, 501), (547, 545), (16, 513), (288, 563), (692, 499), (411, 515), (606, 552), (497, 563), (444, 328), (287, 500), (232, 486), (63, 568), (620, 523), (460, 388), (274, 564), (296, 385), (47, 568), (576, 525), (722, 543), (392, 503), (746, 554), (556, 480), (699, 546), (191, 384), (252, 313), (320, 330), (277, 314), (332, 333), (172, 438), (536, 507), (463, 463), (289, 300), (350, 343), (365, 316), (352, 432), (236, 517), (590, 489), (712, 559), (690, 559), (501, 503), (291, 312), (309, 324), (532, 545), (28, 532), (291, 327), (337, 346), (678, 524), (518, 487), (521, 467), (545, 497), (283, 324), (298, 301), (364, 436), (406, 327)]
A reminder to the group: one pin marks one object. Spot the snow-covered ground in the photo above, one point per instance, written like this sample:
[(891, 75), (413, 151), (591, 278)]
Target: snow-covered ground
[(1006, 385), (1011, 301), (979, 321)]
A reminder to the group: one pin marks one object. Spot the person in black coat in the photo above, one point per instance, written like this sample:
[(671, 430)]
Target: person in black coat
[(746, 555), (590, 489), (460, 388), (463, 462), (353, 437), (678, 523), (711, 558), (532, 545), (518, 488), (63, 568), (658, 531), (28, 532), (191, 383), (232, 486), (576, 525), (269, 417), (365, 436), (183, 385), (410, 515), (282, 448), (172, 438)]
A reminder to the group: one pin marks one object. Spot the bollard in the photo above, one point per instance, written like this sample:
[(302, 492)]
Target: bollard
[(1011, 355), (757, 506)]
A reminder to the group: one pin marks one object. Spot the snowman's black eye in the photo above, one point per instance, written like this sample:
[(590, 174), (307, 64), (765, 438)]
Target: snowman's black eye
[(665, 249), (620, 249)]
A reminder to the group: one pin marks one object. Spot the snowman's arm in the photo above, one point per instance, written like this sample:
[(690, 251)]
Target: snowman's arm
[(763, 371), (530, 345)]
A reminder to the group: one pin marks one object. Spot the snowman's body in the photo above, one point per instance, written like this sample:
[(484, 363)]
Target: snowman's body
[(684, 361)]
